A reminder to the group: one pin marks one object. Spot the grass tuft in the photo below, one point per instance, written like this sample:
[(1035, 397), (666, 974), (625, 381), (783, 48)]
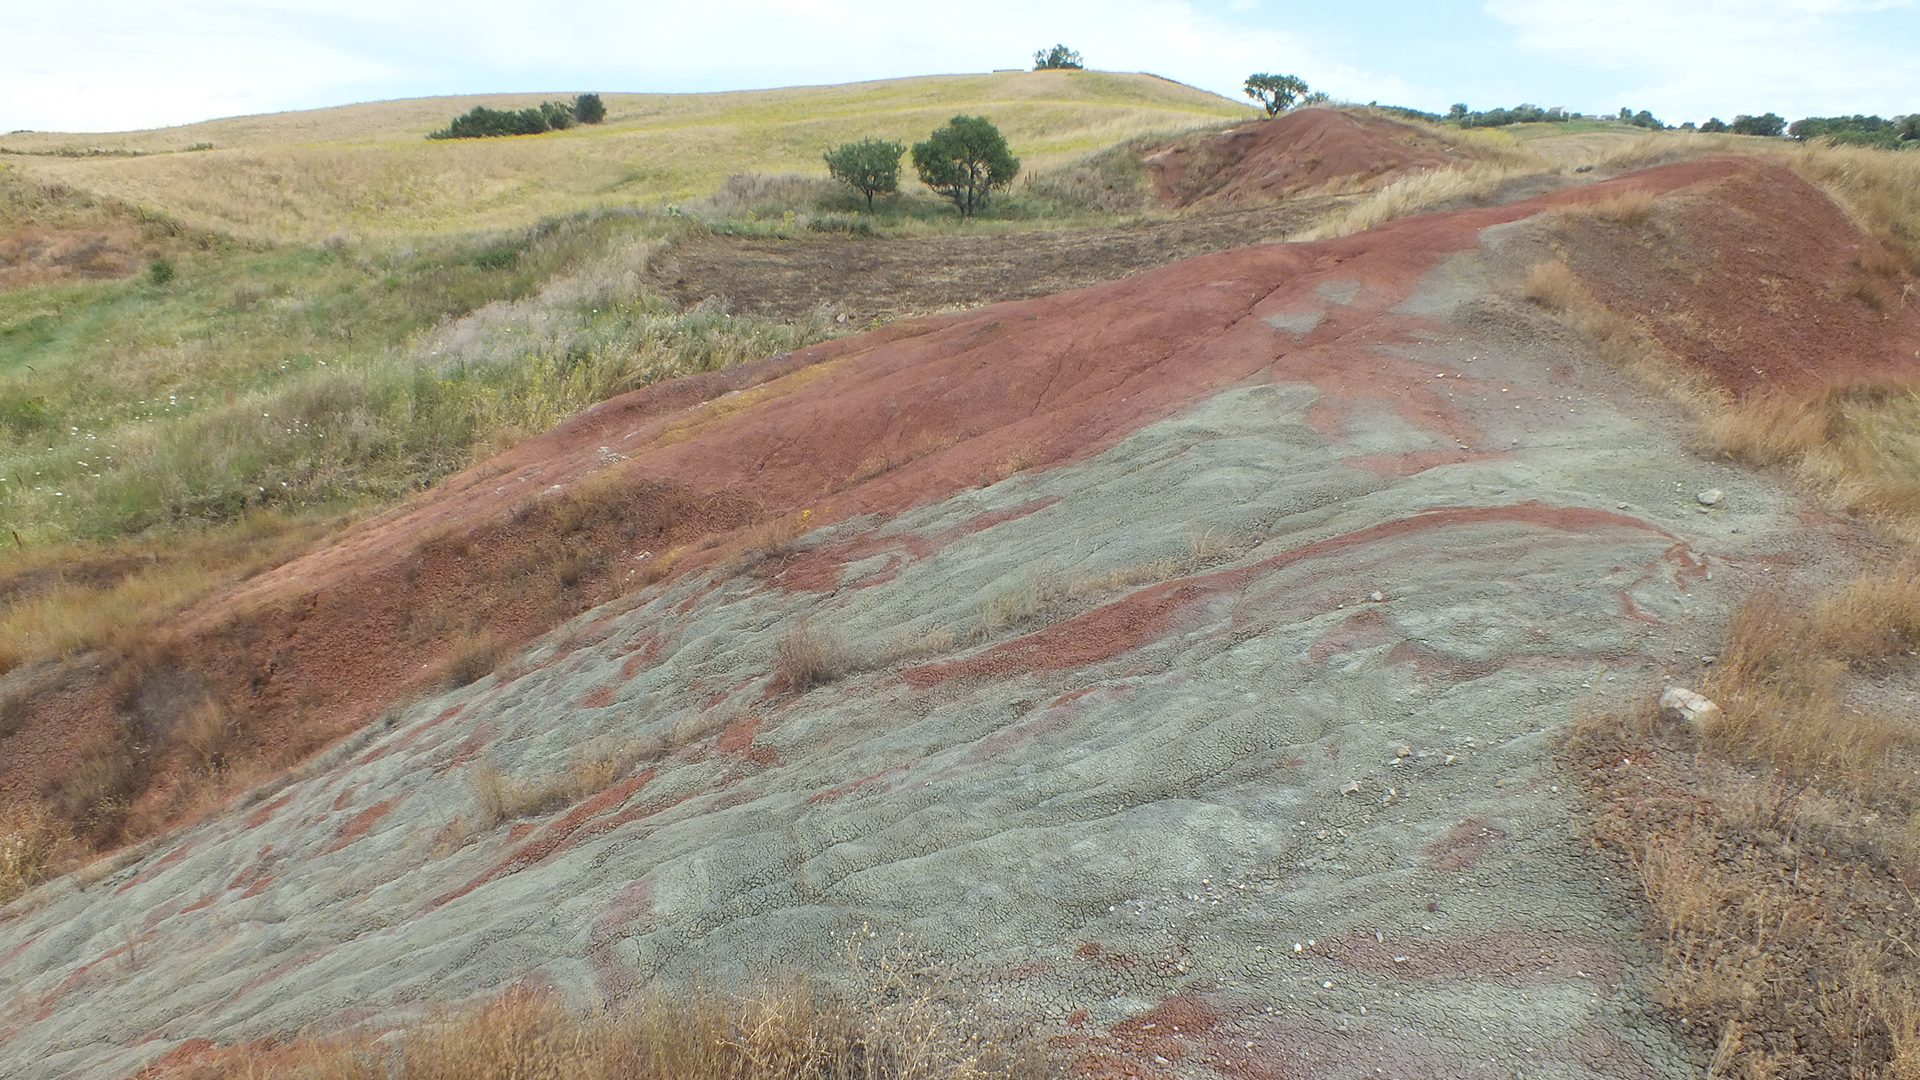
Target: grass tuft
[(808, 657)]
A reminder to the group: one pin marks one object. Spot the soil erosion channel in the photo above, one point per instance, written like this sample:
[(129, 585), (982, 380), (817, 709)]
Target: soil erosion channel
[(1194, 649)]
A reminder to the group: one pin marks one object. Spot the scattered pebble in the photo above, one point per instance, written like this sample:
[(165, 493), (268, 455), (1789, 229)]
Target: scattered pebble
[(1710, 497)]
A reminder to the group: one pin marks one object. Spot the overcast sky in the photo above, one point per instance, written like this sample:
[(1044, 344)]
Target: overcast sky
[(105, 65)]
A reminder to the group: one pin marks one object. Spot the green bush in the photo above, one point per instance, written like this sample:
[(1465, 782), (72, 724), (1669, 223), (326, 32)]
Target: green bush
[(1056, 59), (1714, 126), (160, 271), (870, 166), (965, 160), (1275, 92), (485, 123), (1766, 124), (588, 109)]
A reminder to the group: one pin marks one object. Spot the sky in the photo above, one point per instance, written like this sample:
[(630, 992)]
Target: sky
[(113, 65)]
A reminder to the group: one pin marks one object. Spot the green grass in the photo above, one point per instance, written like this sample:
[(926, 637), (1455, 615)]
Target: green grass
[(304, 379)]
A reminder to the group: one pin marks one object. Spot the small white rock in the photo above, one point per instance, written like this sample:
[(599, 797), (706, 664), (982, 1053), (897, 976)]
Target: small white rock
[(1710, 496), (1352, 787), (1687, 707)]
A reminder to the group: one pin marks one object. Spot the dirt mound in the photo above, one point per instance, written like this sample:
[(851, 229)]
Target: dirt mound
[(1309, 150), (1754, 277)]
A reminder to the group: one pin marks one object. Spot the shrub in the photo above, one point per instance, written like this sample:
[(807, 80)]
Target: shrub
[(1714, 126), (1275, 92), (1058, 58), (483, 123), (870, 166), (160, 271), (964, 161), (808, 658), (588, 109)]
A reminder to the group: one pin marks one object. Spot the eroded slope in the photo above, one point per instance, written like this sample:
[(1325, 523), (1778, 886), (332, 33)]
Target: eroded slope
[(1201, 640)]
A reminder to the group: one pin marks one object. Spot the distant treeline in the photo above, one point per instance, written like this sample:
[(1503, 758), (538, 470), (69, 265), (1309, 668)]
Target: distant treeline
[(484, 123), (1901, 132)]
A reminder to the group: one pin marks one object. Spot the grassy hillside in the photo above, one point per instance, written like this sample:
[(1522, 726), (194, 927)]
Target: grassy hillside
[(368, 169)]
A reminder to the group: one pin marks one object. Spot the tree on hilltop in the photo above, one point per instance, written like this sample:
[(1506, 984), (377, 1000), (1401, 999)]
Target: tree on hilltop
[(588, 109), (965, 160), (870, 166), (1058, 58), (1275, 92)]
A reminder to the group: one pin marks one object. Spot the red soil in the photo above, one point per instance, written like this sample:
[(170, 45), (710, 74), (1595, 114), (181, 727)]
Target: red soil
[(1302, 151), (305, 653), (1756, 278)]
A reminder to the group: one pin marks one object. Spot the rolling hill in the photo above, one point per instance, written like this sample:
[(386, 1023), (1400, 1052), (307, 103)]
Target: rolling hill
[(368, 169)]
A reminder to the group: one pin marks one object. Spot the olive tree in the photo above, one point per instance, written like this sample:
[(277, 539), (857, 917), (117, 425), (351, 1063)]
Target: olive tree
[(965, 160), (1275, 92), (870, 166)]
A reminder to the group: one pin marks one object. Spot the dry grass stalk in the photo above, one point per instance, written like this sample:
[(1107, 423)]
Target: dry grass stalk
[(785, 1031), (808, 657), (1419, 193), (32, 847), (1854, 444), (1631, 207), (506, 798)]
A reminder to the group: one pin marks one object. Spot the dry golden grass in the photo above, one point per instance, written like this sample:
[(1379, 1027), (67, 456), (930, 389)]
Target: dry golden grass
[(58, 600), (1858, 445), (33, 847), (1780, 849), (894, 1030), (1435, 189), (1552, 286), (368, 169), (1631, 207), (502, 797)]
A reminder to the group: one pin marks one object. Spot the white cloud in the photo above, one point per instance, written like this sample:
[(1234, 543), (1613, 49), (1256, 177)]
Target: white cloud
[(114, 64), (1796, 57)]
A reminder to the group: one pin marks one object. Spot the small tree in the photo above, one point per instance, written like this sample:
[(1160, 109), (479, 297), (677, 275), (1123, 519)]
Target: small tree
[(587, 109), (1275, 92), (1714, 126), (965, 160), (870, 166), (558, 117), (1057, 58)]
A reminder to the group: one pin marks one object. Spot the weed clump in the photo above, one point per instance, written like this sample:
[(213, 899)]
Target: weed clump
[(808, 657)]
